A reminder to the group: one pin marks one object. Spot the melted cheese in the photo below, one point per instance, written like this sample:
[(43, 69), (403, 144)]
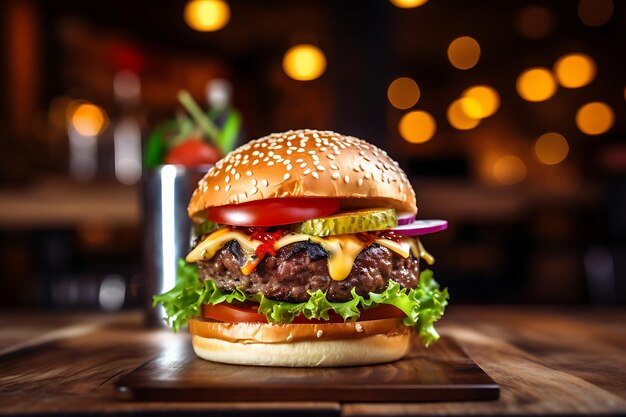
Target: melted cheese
[(342, 249), (206, 249)]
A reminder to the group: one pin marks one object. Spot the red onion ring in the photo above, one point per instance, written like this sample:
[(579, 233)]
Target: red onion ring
[(420, 227)]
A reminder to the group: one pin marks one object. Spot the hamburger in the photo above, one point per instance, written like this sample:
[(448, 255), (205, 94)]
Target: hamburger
[(306, 254)]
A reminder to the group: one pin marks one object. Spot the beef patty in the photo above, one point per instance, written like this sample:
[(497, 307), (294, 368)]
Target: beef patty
[(303, 266)]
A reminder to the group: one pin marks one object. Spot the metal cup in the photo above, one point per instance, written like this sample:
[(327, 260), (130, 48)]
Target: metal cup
[(166, 193)]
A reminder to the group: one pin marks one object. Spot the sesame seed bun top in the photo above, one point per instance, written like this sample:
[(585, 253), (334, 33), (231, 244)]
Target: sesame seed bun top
[(306, 163)]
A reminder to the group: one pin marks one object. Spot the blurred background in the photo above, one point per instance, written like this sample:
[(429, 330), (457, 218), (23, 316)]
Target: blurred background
[(509, 118)]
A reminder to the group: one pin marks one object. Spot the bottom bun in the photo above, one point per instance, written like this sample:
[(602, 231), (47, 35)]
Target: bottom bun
[(382, 347)]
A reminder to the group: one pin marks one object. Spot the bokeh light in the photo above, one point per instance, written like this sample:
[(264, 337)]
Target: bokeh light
[(88, 119), (595, 12), (403, 93), (536, 84), (458, 118), (595, 118), (464, 52), (206, 15), (304, 62), (484, 102), (535, 22), (417, 126), (407, 4), (551, 148), (509, 170), (575, 70)]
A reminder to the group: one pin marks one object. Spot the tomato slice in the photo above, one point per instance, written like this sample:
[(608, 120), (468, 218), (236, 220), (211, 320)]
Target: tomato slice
[(235, 314), (273, 212)]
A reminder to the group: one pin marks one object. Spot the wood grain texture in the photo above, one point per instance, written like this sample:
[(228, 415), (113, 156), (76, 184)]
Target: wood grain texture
[(442, 372), (547, 361), (76, 374)]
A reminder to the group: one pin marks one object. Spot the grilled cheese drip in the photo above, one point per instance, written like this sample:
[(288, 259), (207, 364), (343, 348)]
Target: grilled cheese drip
[(342, 249)]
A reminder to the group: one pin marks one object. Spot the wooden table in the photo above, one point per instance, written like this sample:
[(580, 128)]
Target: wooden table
[(547, 361)]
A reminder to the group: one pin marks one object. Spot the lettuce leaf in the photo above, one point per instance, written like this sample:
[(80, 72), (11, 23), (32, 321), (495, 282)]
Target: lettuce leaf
[(423, 305)]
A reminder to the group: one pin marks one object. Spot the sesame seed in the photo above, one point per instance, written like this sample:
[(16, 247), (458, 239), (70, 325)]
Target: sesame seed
[(356, 169), (311, 152), (299, 160), (333, 166), (228, 167), (253, 190), (330, 156), (302, 165), (286, 176), (306, 171), (254, 181), (249, 173), (360, 182), (217, 188), (227, 179), (358, 327), (265, 183), (300, 150), (361, 153), (316, 162), (368, 175), (289, 151), (270, 163), (320, 168), (347, 179), (276, 157), (227, 187), (237, 176), (256, 161), (289, 167), (323, 148), (319, 333), (315, 174)]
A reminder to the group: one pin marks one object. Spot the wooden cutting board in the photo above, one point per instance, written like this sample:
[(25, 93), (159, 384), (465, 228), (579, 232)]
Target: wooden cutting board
[(442, 372)]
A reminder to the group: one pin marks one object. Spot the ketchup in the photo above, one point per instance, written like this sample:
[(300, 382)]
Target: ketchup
[(268, 240), (369, 237)]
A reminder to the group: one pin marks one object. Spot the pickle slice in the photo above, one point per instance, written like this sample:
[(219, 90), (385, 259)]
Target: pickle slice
[(350, 222), (205, 228)]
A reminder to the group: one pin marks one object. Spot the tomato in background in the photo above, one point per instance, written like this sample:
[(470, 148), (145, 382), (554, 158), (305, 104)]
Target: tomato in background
[(193, 152), (273, 212)]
